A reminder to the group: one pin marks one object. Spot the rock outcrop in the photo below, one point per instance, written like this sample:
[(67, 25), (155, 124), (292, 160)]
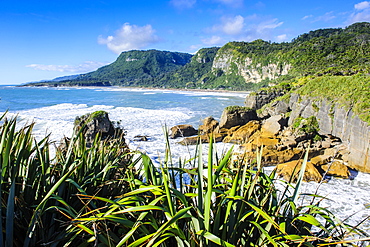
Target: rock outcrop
[(94, 123), (339, 121), (256, 100), (209, 126), (236, 116), (290, 170), (182, 130), (231, 62)]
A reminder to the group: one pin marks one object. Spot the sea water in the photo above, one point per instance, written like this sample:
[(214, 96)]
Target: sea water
[(149, 113)]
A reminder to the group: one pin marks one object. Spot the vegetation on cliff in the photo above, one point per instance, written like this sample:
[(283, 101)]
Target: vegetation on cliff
[(349, 91), (333, 51)]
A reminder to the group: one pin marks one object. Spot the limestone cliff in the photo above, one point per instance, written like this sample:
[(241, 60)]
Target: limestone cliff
[(339, 121), (335, 117), (229, 61)]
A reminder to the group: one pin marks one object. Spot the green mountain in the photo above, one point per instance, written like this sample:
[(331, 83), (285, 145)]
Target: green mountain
[(239, 65)]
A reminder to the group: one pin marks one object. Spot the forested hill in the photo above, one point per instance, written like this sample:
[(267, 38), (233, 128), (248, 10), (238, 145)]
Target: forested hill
[(238, 65)]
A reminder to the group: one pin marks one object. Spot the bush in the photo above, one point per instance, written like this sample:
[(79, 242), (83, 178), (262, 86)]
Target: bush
[(104, 196)]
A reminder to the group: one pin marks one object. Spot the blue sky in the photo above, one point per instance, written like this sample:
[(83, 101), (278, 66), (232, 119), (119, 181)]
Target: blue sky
[(47, 39)]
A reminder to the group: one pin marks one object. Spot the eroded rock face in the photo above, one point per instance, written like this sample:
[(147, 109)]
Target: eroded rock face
[(182, 130), (257, 100), (235, 117), (252, 72), (242, 134), (94, 123), (209, 125), (339, 121), (273, 125)]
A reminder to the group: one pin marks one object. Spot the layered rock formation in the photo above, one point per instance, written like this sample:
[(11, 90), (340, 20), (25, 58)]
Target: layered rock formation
[(229, 62), (334, 120), (340, 121)]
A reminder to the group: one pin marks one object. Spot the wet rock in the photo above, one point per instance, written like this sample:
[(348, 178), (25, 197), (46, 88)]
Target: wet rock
[(209, 125), (193, 140), (336, 169), (243, 133), (140, 138), (289, 171), (236, 115), (182, 130)]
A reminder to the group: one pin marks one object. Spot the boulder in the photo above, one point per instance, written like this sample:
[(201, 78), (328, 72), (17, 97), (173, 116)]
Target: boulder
[(259, 139), (193, 140), (209, 125), (273, 125), (289, 171), (288, 142), (336, 169), (236, 115), (182, 130), (94, 123), (140, 138), (257, 100), (321, 160), (273, 157), (275, 108), (242, 134)]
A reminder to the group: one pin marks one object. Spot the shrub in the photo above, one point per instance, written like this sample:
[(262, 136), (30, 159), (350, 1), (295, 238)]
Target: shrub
[(103, 196)]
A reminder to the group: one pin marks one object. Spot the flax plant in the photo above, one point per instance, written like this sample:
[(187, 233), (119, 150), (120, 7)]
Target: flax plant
[(103, 195), (225, 202), (34, 185)]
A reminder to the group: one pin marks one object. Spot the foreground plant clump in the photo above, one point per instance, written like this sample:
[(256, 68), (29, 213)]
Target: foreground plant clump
[(105, 195)]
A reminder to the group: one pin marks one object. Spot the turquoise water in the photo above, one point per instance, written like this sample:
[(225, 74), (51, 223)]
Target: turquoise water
[(24, 98)]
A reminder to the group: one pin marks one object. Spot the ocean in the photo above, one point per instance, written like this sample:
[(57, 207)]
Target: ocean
[(148, 112)]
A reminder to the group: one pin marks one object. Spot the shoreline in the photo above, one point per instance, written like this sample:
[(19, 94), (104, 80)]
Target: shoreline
[(144, 88)]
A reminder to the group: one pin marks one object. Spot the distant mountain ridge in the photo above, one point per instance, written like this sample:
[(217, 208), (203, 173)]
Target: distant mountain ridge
[(238, 65)]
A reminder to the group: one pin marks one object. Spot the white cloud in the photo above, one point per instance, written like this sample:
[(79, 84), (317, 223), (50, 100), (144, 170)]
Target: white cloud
[(281, 38), (307, 17), (214, 40), (360, 17), (81, 68), (232, 3), (269, 24), (247, 28), (130, 37), (362, 5), (360, 13), (230, 25), (183, 4), (328, 16)]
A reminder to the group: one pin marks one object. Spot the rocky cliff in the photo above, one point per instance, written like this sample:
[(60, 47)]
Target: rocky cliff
[(339, 104), (338, 121), (231, 62)]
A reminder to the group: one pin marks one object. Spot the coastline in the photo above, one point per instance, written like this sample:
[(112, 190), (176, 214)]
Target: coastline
[(145, 88)]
